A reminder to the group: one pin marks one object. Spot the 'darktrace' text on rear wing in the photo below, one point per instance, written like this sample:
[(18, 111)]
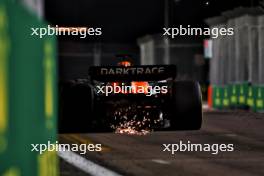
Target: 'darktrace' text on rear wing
[(132, 73)]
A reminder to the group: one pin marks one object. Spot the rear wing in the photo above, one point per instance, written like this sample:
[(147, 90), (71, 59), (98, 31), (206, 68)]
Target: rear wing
[(132, 73)]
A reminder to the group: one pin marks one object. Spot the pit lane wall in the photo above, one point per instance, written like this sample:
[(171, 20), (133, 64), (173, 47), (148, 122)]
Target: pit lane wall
[(28, 108), (237, 63)]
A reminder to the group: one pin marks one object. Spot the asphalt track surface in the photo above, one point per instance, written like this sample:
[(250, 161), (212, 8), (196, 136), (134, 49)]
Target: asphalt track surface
[(144, 155)]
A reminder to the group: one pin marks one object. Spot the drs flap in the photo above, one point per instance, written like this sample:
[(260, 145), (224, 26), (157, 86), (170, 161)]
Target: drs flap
[(132, 73)]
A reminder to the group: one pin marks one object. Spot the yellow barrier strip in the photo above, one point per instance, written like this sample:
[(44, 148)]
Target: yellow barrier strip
[(4, 47), (4, 56), (48, 70)]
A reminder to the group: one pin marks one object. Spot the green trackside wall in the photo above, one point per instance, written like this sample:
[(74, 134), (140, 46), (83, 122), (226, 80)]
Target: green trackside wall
[(28, 94), (217, 97), (237, 66), (239, 96), (259, 98)]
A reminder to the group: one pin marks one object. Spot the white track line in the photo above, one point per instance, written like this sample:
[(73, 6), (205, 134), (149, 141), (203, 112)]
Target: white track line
[(160, 161), (85, 165)]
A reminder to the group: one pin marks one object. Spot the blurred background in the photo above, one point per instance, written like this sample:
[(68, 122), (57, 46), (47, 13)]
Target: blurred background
[(229, 69), (136, 27)]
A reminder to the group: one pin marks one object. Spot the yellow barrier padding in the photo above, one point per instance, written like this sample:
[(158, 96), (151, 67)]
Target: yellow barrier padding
[(13, 171), (4, 56), (49, 81), (48, 164)]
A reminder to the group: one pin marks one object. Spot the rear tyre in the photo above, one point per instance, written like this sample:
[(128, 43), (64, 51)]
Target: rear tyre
[(76, 108), (186, 107)]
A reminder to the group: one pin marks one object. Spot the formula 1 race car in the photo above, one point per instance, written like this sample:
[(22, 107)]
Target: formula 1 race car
[(146, 96)]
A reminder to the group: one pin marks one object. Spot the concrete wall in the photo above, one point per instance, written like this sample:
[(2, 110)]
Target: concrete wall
[(238, 58), (186, 53), (261, 49)]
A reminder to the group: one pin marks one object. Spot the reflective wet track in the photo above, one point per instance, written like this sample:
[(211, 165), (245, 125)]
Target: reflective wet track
[(144, 155)]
